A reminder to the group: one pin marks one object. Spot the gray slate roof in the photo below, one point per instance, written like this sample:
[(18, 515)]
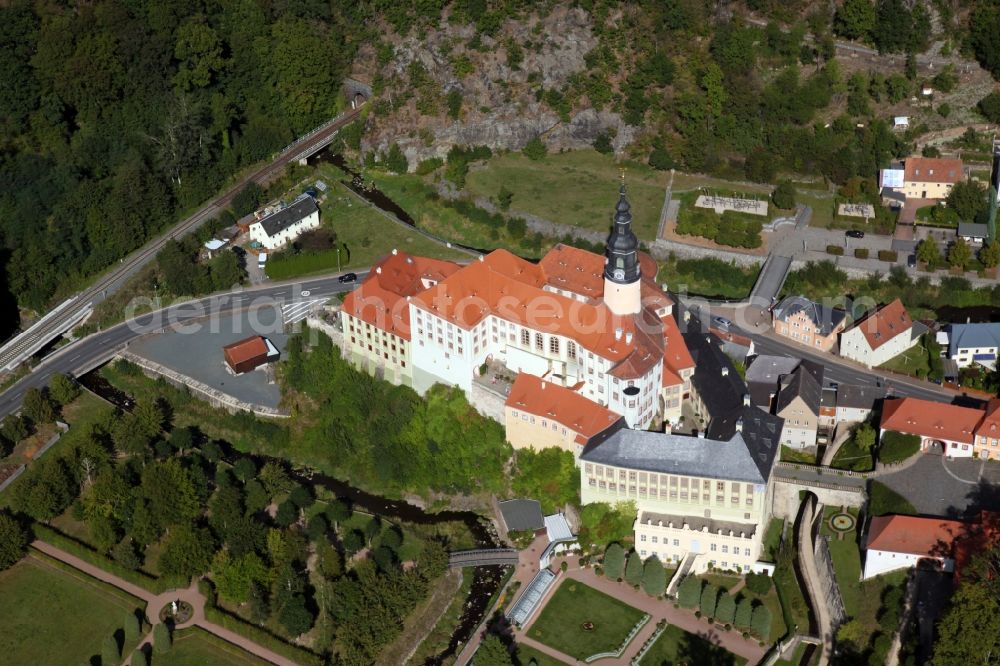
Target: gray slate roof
[(800, 384), (696, 523), (522, 514), (667, 453), (966, 336), (824, 318), (973, 230), (761, 433), (715, 378), (277, 222), (858, 397)]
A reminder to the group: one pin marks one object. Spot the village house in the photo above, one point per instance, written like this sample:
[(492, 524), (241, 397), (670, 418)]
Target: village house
[(881, 335), (285, 225), (855, 403), (901, 542), (929, 178), (973, 344), (808, 322), (798, 404), (942, 428)]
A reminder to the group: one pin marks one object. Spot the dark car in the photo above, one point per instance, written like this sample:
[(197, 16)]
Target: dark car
[(911, 261), (854, 233), (348, 277)]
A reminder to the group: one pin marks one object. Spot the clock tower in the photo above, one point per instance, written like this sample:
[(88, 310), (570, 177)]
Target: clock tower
[(622, 291)]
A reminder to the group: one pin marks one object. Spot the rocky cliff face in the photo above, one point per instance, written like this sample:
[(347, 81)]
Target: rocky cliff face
[(500, 107)]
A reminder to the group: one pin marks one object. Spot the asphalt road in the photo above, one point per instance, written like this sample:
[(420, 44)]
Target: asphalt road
[(87, 352), (21, 347)]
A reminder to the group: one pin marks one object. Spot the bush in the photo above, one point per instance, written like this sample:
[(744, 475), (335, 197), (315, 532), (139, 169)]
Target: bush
[(429, 166), (725, 610), (535, 149), (709, 597), (247, 199), (689, 592), (131, 626), (633, 569), (262, 637), (110, 653), (896, 447), (861, 252), (602, 143), (161, 639), (744, 613), (614, 562), (888, 255), (139, 658), (654, 577), (784, 195), (758, 583), (760, 623), (835, 250), (396, 161)]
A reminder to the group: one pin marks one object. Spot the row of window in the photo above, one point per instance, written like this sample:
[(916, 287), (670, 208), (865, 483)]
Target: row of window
[(671, 480), (529, 418), (663, 493), (712, 547), (677, 558)]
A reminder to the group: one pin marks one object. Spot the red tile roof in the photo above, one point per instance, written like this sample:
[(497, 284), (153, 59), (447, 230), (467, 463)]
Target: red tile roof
[(932, 170), (885, 323), (990, 425), (676, 356), (927, 418), (381, 299), (536, 396), (933, 537), (581, 272), (245, 350)]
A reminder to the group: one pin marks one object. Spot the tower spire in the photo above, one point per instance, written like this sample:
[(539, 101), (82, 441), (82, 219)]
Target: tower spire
[(621, 268)]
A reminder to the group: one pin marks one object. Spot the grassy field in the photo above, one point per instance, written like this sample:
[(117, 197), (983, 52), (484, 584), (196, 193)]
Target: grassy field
[(526, 654), (53, 616), (196, 647), (846, 559), (560, 624), (851, 456), (367, 235), (772, 539), (676, 646), (707, 277), (914, 362), (788, 454), (577, 188)]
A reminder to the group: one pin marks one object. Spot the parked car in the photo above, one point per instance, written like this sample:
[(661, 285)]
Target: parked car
[(722, 322), (911, 261), (854, 233), (348, 277)]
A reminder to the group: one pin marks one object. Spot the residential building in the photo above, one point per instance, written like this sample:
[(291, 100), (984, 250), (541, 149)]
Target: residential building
[(974, 233), (764, 376), (375, 317), (881, 335), (970, 344), (540, 414), (855, 403), (901, 542), (716, 386), (737, 347), (923, 177), (249, 353), (706, 497), (942, 428), (522, 515), (798, 404), (987, 443), (808, 322), (285, 225), (828, 408)]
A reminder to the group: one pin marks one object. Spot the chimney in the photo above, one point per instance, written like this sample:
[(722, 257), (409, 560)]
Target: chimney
[(482, 258), (739, 424), (395, 251), (628, 338), (968, 320), (379, 270), (701, 434), (543, 384), (618, 333), (725, 371), (746, 399)]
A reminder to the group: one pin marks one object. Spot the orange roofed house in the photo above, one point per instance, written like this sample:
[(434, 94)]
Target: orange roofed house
[(598, 324), (539, 415), (249, 353), (881, 335), (942, 428)]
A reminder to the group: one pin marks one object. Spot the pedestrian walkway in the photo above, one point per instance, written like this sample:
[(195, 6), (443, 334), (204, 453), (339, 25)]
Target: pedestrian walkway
[(658, 609), (155, 602)]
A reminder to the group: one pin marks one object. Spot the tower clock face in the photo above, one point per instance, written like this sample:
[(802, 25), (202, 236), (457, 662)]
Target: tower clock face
[(619, 274)]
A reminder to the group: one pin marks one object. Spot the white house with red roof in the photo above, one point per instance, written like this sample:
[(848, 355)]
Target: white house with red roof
[(881, 335), (901, 542), (942, 428)]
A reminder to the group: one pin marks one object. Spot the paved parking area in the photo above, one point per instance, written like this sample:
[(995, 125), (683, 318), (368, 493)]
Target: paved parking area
[(197, 353), (941, 487)]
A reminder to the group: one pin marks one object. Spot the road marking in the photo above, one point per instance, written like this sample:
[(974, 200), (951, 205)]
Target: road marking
[(299, 310)]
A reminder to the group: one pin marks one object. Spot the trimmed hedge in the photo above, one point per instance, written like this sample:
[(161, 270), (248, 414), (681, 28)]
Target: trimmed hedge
[(861, 253), (254, 633), (74, 547), (835, 250), (888, 255), (896, 447)]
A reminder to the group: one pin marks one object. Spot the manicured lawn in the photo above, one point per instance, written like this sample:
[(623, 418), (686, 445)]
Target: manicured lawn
[(913, 362), (851, 456), (788, 454), (676, 646), (708, 277), (846, 560), (884, 500), (196, 647), (560, 624), (51, 616), (577, 188), (896, 447), (526, 654), (367, 234)]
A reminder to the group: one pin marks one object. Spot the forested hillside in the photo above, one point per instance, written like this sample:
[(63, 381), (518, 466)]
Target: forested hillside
[(116, 115)]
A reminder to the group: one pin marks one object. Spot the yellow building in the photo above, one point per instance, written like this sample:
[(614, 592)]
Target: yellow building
[(539, 414)]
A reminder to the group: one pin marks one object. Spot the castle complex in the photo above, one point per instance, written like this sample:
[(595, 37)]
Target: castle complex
[(598, 358)]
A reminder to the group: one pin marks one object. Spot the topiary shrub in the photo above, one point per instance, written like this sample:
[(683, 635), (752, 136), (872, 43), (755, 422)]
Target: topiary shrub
[(835, 250), (861, 252), (888, 255), (758, 583)]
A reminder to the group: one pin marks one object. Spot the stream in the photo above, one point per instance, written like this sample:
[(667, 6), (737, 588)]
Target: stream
[(486, 580)]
